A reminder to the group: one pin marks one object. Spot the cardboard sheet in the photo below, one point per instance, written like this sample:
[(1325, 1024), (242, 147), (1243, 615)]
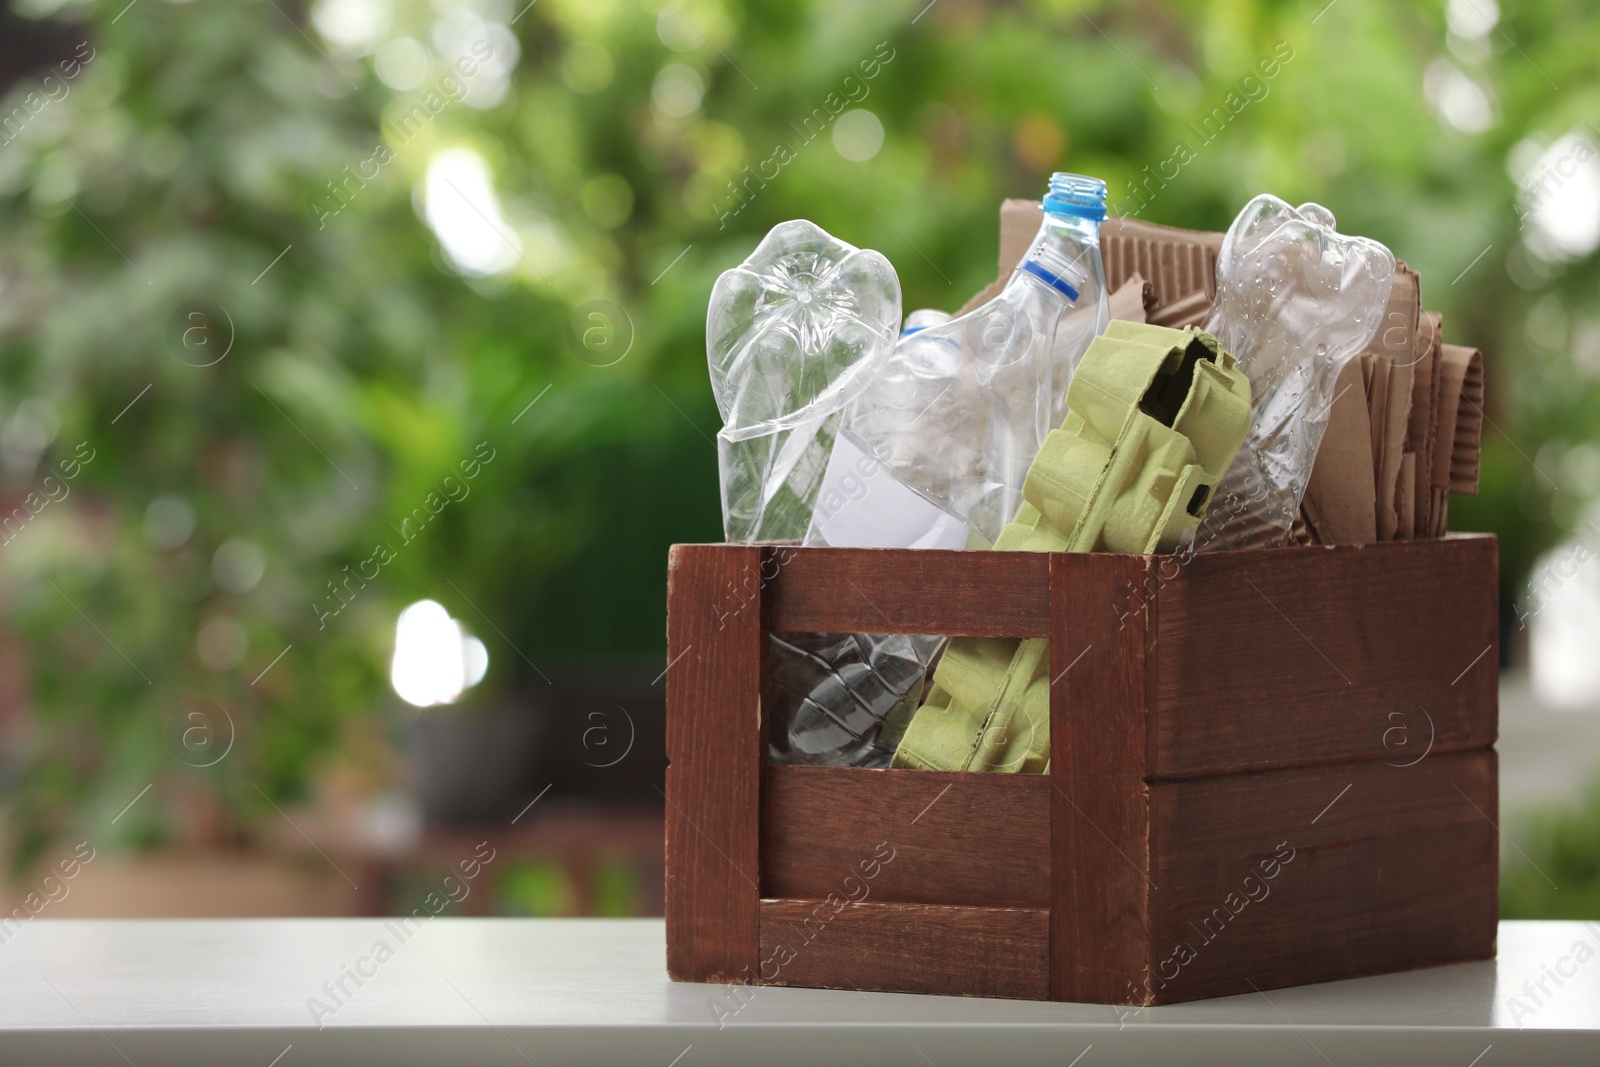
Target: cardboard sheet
[(1423, 424), (1340, 505), (1467, 441), (1191, 310), (1388, 364)]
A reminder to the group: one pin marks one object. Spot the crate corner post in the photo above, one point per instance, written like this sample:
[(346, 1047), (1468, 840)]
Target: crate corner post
[(1102, 897), (716, 640)]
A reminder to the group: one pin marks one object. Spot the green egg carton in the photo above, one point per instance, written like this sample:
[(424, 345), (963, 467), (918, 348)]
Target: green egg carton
[(1156, 417)]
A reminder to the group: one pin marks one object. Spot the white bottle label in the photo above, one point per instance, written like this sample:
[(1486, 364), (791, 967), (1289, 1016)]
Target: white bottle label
[(862, 505)]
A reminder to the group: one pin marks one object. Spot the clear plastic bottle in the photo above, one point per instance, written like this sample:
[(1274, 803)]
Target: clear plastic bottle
[(923, 416), (832, 692), (956, 414), (793, 334), (1296, 301), (990, 384)]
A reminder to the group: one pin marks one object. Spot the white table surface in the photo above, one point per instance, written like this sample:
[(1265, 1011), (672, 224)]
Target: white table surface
[(594, 991)]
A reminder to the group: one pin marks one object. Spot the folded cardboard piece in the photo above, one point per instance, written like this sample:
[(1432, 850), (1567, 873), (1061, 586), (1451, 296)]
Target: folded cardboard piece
[(1460, 428), (1191, 310), (1422, 430), (1387, 367), (1405, 428)]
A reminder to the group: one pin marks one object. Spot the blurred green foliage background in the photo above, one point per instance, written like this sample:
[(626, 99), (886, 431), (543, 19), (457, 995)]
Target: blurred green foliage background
[(1558, 874), (386, 284)]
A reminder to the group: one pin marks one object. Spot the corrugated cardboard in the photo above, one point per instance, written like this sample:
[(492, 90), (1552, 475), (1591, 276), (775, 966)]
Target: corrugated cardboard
[(1191, 310), (1462, 375), (1458, 429), (1423, 424), (1388, 363), (1340, 505), (1177, 262)]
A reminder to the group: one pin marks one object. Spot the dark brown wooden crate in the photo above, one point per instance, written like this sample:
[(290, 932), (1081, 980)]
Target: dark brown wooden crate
[(1205, 714)]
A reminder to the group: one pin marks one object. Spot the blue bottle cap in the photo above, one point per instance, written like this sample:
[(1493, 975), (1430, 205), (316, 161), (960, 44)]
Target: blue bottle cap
[(1076, 194)]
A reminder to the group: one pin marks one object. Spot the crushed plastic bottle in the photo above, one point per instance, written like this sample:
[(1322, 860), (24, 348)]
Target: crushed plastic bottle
[(793, 335), (943, 436), (832, 692), (962, 406), (1296, 301)]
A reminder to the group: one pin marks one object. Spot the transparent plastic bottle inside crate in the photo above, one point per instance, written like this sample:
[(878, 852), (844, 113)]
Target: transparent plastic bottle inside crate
[(793, 334), (1296, 302), (832, 693), (962, 406)]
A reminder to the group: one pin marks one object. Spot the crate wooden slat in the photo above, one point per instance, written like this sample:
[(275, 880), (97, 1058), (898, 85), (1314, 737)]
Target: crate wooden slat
[(1408, 629), (888, 590), (1396, 870), (980, 952), (714, 755), (818, 823), (1338, 703), (1100, 810)]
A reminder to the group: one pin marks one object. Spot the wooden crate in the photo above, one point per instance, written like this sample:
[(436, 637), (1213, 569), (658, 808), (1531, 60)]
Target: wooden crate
[(1267, 768)]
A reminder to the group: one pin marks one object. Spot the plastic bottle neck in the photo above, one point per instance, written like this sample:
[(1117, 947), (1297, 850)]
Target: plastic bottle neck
[(1059, 257), (1070, 228), (1063, 256)]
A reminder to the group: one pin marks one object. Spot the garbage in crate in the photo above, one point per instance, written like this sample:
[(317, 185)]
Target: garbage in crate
[(1296, 301), (931, 451), (1156, 417), (959, 410), (842, 431), (793, 334)]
